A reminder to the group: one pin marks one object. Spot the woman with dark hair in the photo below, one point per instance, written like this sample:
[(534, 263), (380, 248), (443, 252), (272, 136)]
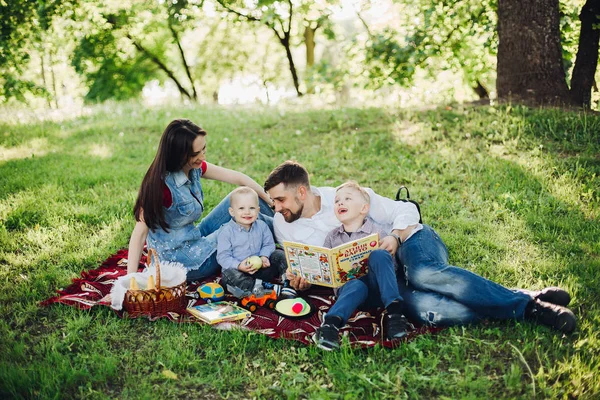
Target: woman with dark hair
[(171, 200)]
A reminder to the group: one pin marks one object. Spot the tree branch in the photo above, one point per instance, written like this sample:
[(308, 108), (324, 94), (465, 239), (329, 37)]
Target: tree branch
[(183, 60), (160, 64), (289, 29)]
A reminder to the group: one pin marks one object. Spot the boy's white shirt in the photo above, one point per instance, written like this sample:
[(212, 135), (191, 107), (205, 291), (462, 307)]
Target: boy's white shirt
[(386, 212)]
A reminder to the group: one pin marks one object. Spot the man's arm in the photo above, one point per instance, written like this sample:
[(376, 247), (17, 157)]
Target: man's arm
[(402, 216)]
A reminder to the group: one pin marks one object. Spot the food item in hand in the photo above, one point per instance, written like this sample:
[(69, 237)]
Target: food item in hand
[(255, 262)]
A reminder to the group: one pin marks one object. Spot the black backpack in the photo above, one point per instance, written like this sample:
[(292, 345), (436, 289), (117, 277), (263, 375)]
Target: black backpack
[(407, 199)]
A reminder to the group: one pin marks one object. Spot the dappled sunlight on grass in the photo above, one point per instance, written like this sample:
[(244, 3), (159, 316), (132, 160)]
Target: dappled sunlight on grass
[(409, 133), (565, 186), (100, 151), (19, 116), (508, 209), (34, 148), (48, 243)]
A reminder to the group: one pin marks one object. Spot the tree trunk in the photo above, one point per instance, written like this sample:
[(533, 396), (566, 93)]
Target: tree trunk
[(587, 55), (530, 63), (43, 71), (54, 91), (285, 41), (309, 42)]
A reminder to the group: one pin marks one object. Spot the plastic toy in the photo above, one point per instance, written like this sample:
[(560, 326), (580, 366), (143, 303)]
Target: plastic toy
[(211, 292), (294, 308), (251, 301), (297, 307)]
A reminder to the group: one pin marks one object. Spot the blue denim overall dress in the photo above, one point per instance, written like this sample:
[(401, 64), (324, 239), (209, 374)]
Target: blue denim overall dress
[(184, 242)]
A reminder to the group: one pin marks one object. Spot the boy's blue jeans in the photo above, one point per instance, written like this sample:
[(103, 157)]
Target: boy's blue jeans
[(211, 223), (377, 288), (440, 294)]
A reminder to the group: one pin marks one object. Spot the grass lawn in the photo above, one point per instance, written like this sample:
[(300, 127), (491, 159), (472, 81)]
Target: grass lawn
[(514, 192)]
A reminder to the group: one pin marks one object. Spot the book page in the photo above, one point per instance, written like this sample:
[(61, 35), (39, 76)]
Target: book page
[(351, 259), (310, 262)]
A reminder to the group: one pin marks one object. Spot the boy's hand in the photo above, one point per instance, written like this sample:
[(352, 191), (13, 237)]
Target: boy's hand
[(265, 261), (297, 282), (247, 267)]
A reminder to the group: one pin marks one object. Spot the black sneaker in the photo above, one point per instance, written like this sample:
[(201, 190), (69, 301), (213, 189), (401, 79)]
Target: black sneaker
[(397, 326), (552, 315), (327, 337), (554, 295)]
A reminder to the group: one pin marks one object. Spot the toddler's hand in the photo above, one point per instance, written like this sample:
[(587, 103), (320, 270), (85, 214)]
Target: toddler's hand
[(265, 261), (247, 267)]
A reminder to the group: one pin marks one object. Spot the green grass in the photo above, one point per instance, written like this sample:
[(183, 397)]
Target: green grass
[(514, 192)]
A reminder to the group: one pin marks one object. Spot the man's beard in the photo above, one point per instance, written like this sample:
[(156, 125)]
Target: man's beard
[(294, 216)]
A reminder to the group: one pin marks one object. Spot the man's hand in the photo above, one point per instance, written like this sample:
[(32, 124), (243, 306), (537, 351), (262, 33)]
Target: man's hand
[(247, 267), (389, 244), (297, 282), (265, 261)]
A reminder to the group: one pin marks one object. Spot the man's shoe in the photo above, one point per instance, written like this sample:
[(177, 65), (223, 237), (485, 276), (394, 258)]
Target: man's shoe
[(327, 337), (552, 315), (397, 326), (554, 295)]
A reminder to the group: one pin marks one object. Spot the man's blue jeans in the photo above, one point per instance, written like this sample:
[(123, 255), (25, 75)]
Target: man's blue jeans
[(377, 288), (211, 224), (440, 294)]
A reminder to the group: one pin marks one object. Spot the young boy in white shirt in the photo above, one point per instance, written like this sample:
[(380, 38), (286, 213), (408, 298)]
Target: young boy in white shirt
[(377, 288)]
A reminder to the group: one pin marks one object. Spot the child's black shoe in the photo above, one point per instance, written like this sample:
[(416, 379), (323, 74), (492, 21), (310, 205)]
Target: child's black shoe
[(397, 326), (327, 335)]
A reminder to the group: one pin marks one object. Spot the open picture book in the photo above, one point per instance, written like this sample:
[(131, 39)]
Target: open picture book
[(219, 311), (331, 267)]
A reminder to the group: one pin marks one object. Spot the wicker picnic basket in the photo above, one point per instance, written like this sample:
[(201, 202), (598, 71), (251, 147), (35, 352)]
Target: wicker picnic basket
[(158, 301)]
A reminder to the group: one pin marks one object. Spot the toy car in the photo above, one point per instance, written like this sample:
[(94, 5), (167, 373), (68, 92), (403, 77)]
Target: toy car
[(251, 301)]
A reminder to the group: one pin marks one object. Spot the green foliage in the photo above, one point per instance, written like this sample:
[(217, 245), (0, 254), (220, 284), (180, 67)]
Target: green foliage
[(513, 192), (458, 35), (23, 26), (111, 72)]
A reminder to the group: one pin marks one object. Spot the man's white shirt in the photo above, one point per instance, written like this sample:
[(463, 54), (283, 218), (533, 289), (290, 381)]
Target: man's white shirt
[(386, 212)]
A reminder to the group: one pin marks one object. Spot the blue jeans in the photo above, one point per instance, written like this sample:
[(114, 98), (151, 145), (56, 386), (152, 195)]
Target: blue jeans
[(377, 288), (441, 294), (211, 223)]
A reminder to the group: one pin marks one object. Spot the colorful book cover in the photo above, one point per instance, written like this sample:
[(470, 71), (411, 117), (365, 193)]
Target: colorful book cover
[(331, 267), (220, 311)]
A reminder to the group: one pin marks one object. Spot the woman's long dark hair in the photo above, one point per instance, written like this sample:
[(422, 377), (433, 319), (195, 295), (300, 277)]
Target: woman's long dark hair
[(174, 150)]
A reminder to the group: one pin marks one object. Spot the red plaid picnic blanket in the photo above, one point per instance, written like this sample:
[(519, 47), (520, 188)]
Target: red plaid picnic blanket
[(363, 329)]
